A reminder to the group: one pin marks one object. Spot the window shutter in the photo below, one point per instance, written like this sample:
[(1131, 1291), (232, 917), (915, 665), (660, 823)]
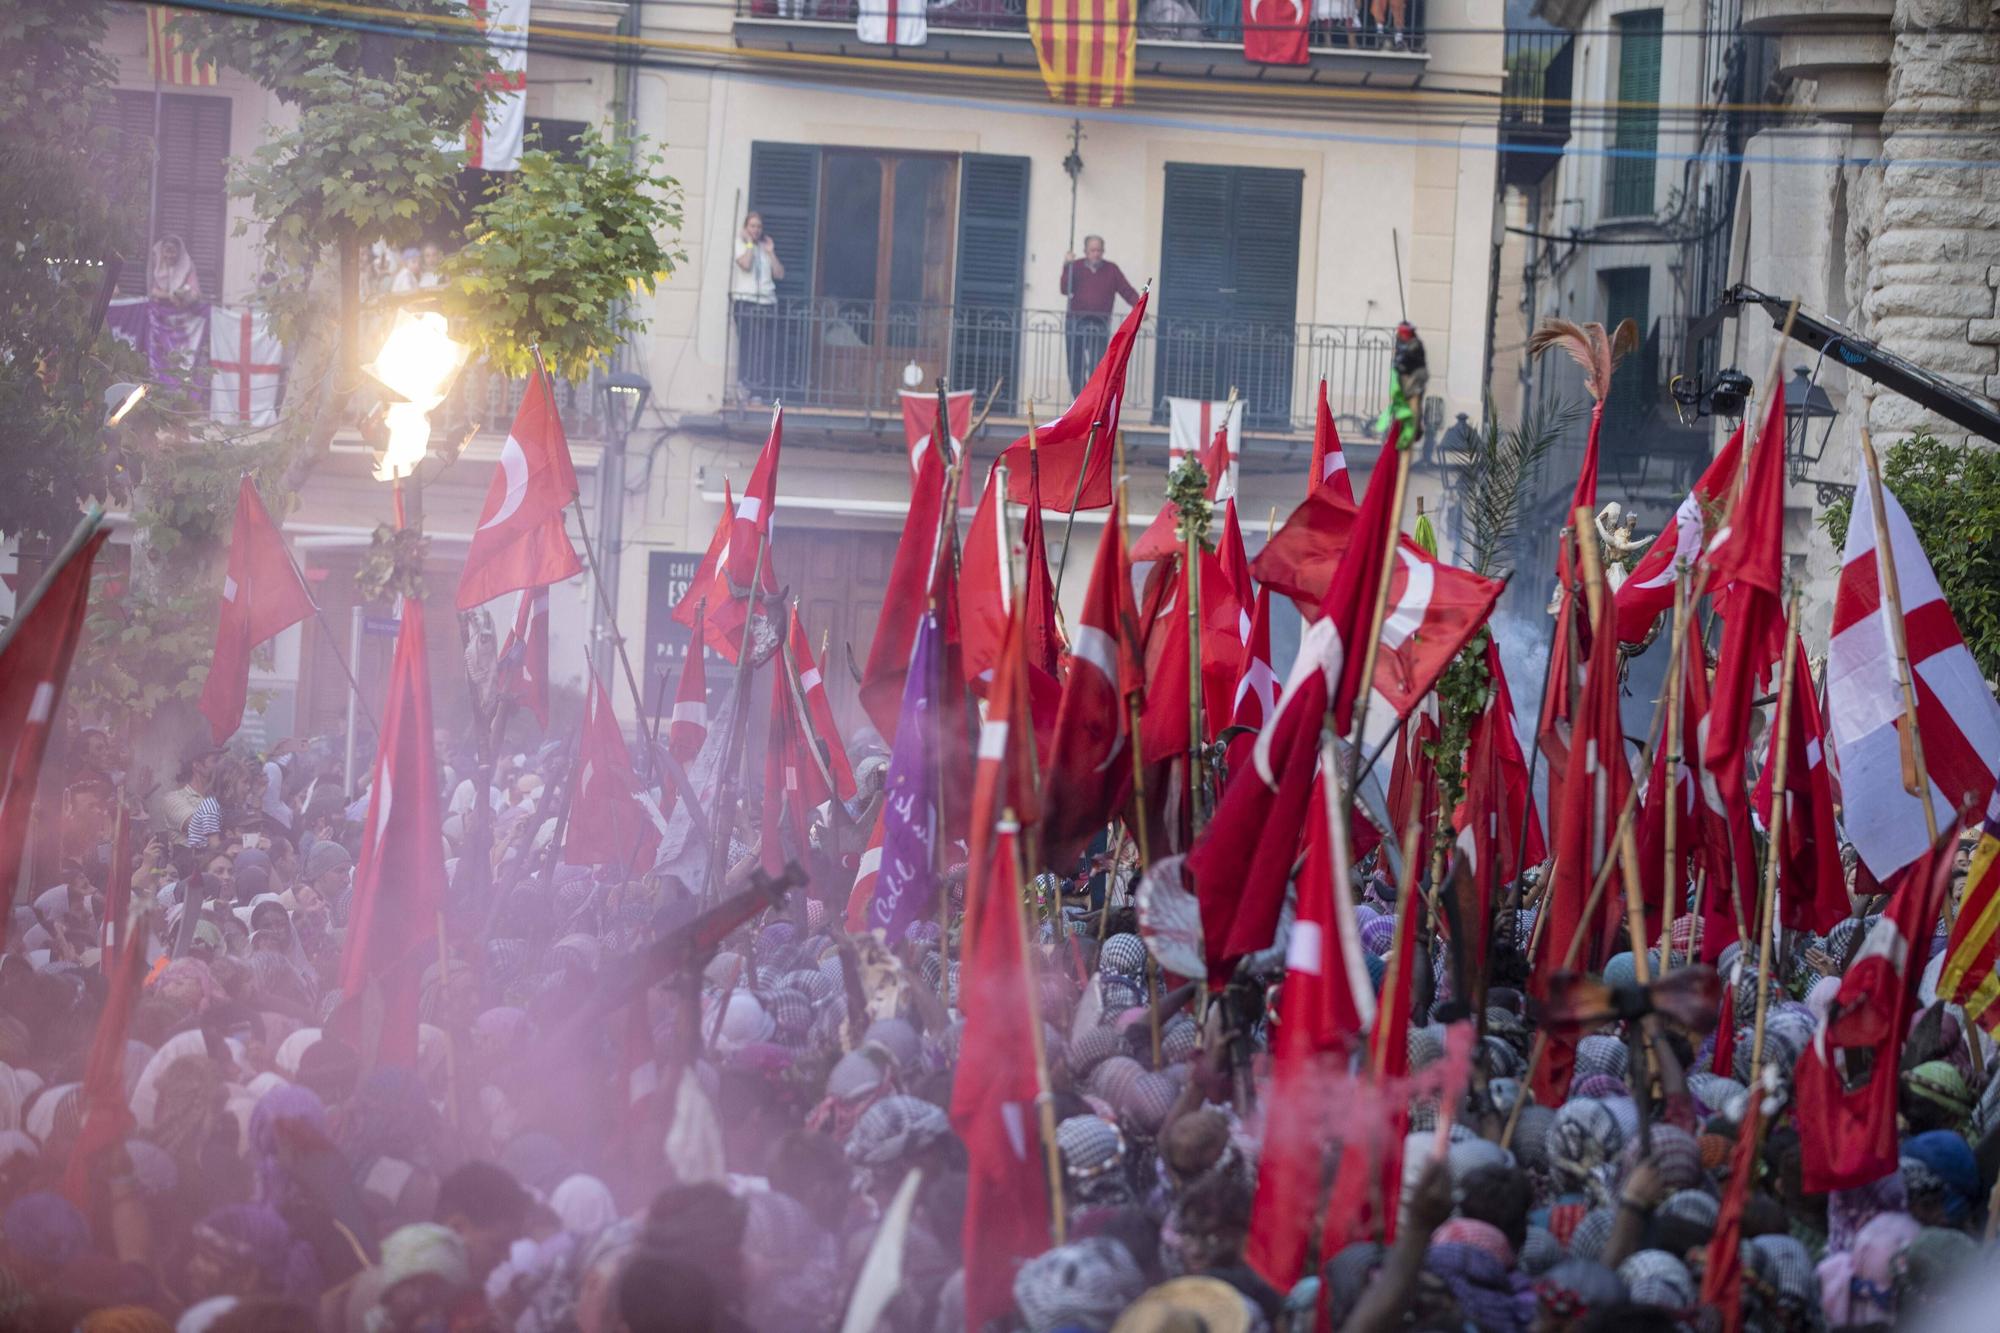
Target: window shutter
[(784, 188), (193, 199), (986, 290), (1630, 185), (1628, 295), (1229, 287)]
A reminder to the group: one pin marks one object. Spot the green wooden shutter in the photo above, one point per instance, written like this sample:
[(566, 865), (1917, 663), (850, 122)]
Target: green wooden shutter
[(193, 181), (1627, 295), (784, 187), (1637, 132), (1229, 248), (986, 290)]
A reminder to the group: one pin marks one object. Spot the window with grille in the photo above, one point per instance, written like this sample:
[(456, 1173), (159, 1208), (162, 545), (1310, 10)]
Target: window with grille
[(1635, 135)]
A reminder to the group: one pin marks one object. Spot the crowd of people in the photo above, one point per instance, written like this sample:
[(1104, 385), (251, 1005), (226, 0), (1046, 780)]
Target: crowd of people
[(551, 1165)]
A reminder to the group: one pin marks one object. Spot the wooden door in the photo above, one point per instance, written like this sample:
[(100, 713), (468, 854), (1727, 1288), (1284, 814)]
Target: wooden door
[(838, 578)]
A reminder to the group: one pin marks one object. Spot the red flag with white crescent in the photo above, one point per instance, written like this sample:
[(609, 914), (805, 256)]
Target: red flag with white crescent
[(521, 540)]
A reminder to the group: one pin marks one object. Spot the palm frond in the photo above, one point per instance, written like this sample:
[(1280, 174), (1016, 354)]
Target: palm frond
[(1590, 347), (1498, 474)]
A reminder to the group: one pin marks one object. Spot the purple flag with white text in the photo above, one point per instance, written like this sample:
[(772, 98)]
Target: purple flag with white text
[(906, 888)]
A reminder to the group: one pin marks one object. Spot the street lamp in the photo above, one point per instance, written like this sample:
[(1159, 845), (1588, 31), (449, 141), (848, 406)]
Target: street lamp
[(1805, 403), (120, 399), (417, 363), (624, 396)]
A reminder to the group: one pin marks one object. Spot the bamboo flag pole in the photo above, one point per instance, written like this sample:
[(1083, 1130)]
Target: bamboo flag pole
[(1045, 1105), (1393, 977), (1197, 775), (1381, 609), (1677, 664), (1916, 776), (1768, 909)]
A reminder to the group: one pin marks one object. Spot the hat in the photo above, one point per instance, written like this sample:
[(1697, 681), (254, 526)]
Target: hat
[(1084, 1285), (1654, 1277), (1212, 1304), (893, 1128), (326, 856), (1090, 1146), (424, 1249)]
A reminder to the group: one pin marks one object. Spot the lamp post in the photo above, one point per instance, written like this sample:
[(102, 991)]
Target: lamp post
[(623, 396), (1806, 403)]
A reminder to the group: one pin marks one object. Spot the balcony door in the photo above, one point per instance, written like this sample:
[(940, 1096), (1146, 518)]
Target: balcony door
[(1229, 276), (883, 297)]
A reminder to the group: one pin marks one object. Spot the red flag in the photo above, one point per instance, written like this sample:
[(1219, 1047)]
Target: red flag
[(1412, 794), (794, 782), (1329, 460), (1648, 592), (1256, 687), (1090, 766), (1723, 1058), (1044, 646), (609, 822), (1722, 1276), (1848, 1135), (1327, 1001), (1163, 730), (521, 540), (1274, 32), (399, 878), (524, 658), (35, 657), (750, 532), (865, 875), (1161, 537), (983, 602), (1746, 561), (1497, 797), (106, 1117), (689, 727), (1700, 833), (701, 587), (1064, 441), (911, 577), (920, 419), (1814, 884), (262, 595), (993, 1099), (819, 710), (1593, 793)]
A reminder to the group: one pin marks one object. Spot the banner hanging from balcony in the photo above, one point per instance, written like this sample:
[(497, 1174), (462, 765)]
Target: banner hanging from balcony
[(1274, 31), (891, 22), (1086, 49), (493, 142)]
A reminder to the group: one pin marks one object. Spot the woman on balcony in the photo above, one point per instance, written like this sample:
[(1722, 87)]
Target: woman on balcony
[(753, 297)]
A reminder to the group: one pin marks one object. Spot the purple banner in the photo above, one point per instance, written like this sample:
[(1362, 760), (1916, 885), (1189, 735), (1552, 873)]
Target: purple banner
[(906, 889)]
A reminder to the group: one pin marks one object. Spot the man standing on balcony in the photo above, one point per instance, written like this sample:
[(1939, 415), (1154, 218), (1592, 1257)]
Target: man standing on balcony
[(753, 299), (1092, 285)]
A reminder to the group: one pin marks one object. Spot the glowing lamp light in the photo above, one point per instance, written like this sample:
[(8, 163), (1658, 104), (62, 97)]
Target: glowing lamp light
[(121, 399), (417, 362)]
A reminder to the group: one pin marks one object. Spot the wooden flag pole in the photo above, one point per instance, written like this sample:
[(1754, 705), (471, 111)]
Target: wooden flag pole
[(1534, 762), (1676, 667), (1393, 976), (1916, 775), (1767, 910), (1197, 775), (728, 787), (1045, 1106), (1075, 497)]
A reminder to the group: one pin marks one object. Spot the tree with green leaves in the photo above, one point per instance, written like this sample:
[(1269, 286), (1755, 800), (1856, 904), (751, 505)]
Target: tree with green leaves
[(1952, 495), (71, 197)]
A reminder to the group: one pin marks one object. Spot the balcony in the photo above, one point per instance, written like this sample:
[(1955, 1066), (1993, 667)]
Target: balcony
[(484, 400), (1534, 112), (848, 358), (1188, 39)]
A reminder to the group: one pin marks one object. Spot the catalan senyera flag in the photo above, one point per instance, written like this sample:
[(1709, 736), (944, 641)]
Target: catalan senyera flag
[(1086, 48), (1974, 947), (170, 61)]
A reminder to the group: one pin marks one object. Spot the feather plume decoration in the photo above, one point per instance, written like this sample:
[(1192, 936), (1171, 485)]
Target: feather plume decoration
[(1596, 351)]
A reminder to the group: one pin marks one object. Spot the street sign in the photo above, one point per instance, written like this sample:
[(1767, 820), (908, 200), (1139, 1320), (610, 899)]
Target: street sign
[(669, 574)]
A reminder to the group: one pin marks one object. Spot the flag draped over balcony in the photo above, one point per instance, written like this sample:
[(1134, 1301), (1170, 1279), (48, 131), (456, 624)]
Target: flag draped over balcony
[(1085, 48)]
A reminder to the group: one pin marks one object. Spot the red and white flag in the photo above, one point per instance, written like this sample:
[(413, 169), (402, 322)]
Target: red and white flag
[(1192, 427), (399, 879), (524, 658), (612, 822), (914, 574), (1274, 32), (1812, 883), (34, 666), (794, 780), (707, 607), (246, 367), (920, 422), (1090, 763), (521, 540), (493, 140), (689, 727), (1956, 714), (1218, 462), (262, 595), (1088, 427), (891, 22), (1497, 801), (1648, 592), (1847, 1131), (819, 709), (750, 533), (1329, 460), (865, 875)]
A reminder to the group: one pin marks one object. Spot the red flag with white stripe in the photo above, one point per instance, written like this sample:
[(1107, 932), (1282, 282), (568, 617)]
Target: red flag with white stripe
[(1329, 460), (689, 727), (913, 574), (521, 540), (1218, 462), (262, 595), (819, 709), (1088, 427), (865, 875), (1648, 592), (524, 658), (1956, 713), (1812, 885), (750, 532), (35, 657)]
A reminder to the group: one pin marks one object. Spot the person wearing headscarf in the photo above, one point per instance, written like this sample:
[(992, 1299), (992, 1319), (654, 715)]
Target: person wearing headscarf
[(1858, 1285), (1941, 1179), (246, 1250), (1477, 1263), (427, 1284), (1078, 1288)]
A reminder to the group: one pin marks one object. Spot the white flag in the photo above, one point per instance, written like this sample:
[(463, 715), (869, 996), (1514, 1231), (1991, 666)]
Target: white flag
[(493, 143), (891, 22), (246, 367)]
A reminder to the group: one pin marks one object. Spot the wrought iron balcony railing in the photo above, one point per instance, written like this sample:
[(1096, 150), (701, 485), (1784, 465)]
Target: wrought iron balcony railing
[(1361, 25), (484, 399), (852, 356)]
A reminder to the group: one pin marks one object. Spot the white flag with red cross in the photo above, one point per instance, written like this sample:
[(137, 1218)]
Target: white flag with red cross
[(246, 367)]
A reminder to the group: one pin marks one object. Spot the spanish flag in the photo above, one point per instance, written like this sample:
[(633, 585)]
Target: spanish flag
[(171, 62), (1968, 977), (1085, 48)]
